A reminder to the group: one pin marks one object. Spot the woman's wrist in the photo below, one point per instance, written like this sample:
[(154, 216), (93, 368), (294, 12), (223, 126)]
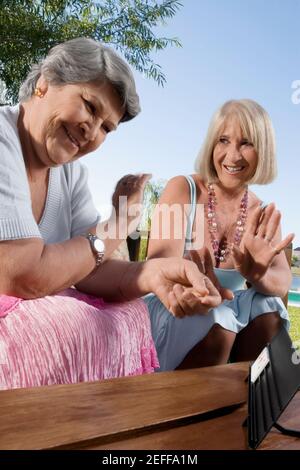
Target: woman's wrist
[(253, 277), (135, 280)]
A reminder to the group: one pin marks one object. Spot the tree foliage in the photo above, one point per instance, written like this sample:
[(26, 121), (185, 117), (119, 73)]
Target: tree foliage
[(28, 28)]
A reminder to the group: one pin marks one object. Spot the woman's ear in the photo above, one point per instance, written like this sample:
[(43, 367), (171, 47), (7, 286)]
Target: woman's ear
[(42, 85)]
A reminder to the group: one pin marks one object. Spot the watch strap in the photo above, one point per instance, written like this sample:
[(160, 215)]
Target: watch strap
[(98, 255)]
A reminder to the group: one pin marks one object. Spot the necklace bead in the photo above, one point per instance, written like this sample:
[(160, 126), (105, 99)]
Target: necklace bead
[(223, 249)]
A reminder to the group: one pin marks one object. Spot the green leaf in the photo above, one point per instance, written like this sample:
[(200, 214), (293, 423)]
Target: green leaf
[(29, 28)]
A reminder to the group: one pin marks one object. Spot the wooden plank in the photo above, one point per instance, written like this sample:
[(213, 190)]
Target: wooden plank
[(90, 413), (223, 433), (290, 418)]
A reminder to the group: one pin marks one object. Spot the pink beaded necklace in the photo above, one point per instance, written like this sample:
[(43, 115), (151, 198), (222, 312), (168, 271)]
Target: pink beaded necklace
[(222, 248)]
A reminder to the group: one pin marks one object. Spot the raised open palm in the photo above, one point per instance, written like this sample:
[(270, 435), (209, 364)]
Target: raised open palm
[(260, 244)]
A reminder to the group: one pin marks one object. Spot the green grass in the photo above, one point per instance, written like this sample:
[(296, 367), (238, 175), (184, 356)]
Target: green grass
[(294, 313)]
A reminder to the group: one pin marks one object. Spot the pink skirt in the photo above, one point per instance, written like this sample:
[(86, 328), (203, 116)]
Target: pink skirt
[(72, 337)]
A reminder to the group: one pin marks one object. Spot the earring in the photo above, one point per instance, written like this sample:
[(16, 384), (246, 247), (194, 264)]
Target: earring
[(38, 92)]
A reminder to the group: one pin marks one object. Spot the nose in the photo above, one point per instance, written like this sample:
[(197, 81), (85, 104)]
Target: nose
[(234, 153), (90, 130)]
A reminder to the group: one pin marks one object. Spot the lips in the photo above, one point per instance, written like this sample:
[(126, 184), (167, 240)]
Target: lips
[(233, 170), (72, 138)]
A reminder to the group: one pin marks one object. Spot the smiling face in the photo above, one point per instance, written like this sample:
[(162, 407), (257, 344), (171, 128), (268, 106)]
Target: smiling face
[(70, 121), (234, 157)]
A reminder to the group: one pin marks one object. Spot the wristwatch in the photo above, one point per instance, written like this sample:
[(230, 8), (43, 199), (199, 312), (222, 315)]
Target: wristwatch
[(97, 246)]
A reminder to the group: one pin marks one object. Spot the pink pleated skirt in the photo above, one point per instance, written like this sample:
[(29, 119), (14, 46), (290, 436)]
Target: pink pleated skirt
[(71, 337)]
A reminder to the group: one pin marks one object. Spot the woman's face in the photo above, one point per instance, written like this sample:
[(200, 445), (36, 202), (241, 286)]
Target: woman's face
[(70, 121), (234, 157)]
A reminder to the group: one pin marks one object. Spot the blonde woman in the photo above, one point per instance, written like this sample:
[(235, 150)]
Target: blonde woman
[(242, 242)]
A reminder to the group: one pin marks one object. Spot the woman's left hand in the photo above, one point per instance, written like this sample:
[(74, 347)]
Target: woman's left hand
[(260, 243)]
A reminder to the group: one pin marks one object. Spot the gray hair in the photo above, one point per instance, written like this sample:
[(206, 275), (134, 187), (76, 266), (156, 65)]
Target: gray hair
[(85, 60), (256, 125)]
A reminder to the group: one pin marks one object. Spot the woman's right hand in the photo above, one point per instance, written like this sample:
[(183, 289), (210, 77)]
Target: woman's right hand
[(180, 286)]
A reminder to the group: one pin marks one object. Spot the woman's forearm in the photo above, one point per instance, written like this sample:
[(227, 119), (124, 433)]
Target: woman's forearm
[(118, 280), (53, 268), (274, 282)]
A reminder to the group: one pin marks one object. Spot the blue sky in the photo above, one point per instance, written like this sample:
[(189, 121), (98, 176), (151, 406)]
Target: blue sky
[(230, 49)]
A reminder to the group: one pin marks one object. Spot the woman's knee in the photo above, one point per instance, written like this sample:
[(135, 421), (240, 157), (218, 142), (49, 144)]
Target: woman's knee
[(220, 338), (252, 339), (218, 341), (213, 349), (270, 323)]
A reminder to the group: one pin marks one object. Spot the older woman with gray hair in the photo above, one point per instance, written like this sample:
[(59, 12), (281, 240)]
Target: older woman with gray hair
[(56, 276), (241, 242)]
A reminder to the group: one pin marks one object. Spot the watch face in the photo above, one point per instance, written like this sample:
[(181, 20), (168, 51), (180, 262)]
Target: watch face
[(99, 245)]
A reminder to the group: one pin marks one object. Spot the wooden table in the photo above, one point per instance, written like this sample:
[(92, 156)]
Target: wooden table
[(171, 410)]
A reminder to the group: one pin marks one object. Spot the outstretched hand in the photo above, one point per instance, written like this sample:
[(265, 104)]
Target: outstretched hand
[(182, 288), (260, 245)]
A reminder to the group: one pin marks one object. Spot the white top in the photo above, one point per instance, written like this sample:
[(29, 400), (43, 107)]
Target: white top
[(69, 209)]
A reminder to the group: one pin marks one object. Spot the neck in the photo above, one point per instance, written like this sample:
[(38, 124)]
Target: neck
[(34, 167), (228, 194), (220, 241)]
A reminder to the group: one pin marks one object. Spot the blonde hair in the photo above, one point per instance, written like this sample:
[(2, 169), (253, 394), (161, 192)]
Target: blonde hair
[(256, 126)]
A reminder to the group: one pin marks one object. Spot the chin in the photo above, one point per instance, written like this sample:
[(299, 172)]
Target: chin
[(60, 157), (232, 183)]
